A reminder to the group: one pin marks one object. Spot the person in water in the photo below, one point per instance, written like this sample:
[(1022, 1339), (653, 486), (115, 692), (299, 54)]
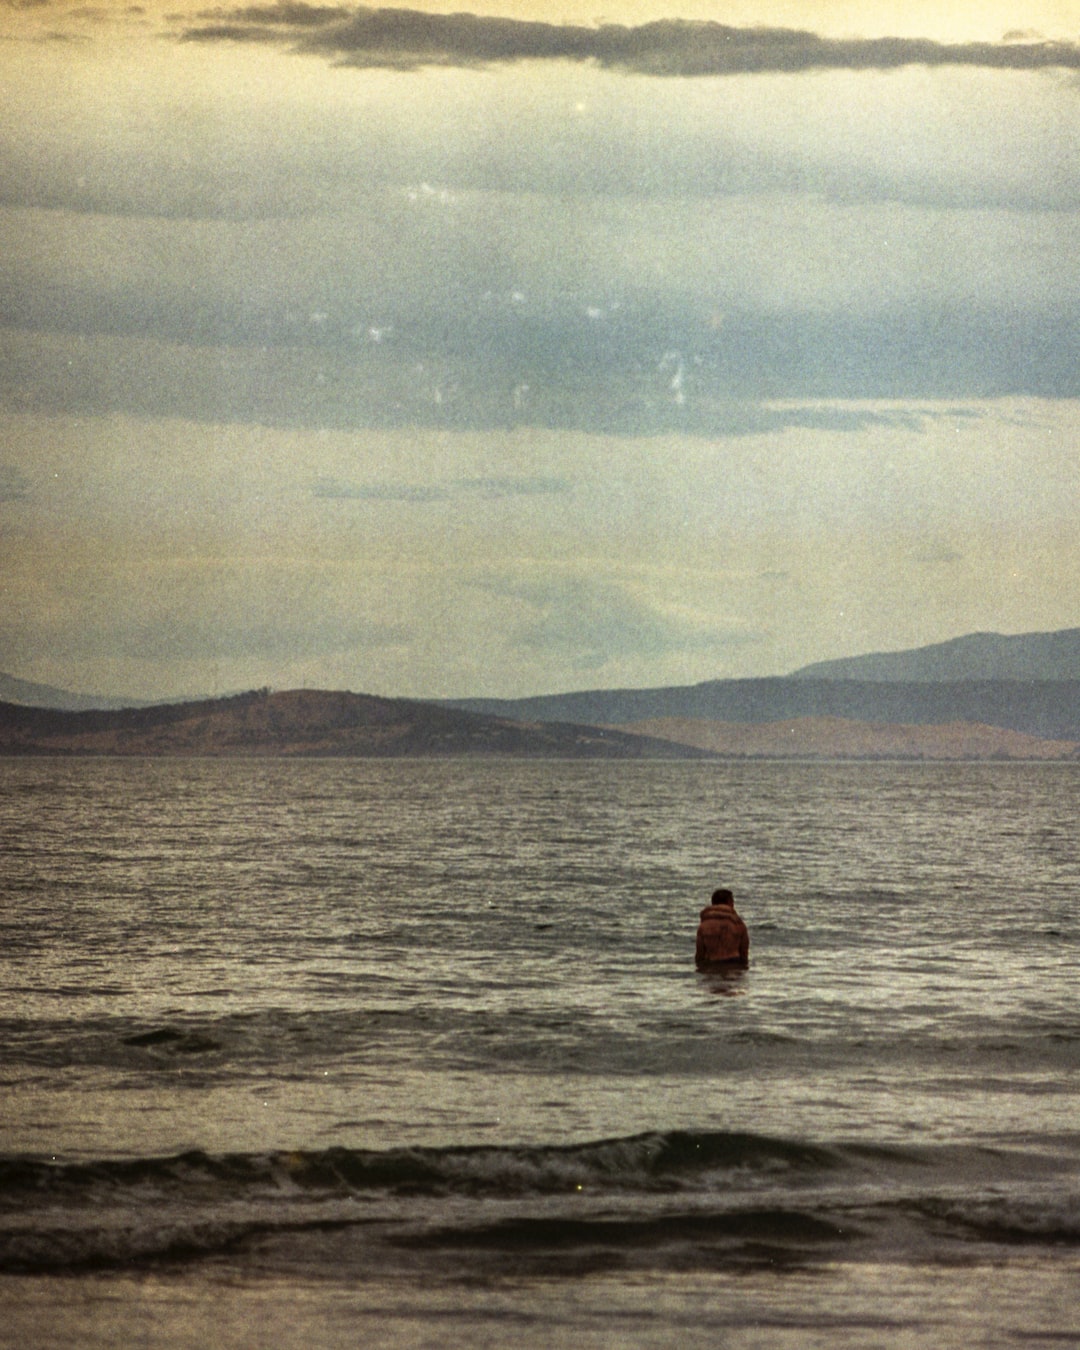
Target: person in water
[(722, 938)]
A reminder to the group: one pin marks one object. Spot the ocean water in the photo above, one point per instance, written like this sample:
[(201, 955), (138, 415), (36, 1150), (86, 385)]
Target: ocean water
[(340, 1052)]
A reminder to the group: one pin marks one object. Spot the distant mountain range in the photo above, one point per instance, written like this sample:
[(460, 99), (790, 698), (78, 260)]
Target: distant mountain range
[(1037, 707), (981, 696), (979, 656), (32, 695), (1028, 683)]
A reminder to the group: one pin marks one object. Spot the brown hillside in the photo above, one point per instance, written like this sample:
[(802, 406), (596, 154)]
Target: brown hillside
[(840, 738), (310, 722)]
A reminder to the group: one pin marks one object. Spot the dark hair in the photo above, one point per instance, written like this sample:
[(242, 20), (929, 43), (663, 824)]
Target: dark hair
[(722, 897)]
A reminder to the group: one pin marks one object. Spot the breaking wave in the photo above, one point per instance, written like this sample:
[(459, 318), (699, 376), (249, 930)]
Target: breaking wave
[(668, 1198), (647, 1162)]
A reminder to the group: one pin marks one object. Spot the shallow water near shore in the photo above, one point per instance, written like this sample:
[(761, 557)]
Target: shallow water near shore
[(411, 1051)]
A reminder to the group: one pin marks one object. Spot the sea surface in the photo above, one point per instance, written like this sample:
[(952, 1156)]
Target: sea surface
[(351, 1052)]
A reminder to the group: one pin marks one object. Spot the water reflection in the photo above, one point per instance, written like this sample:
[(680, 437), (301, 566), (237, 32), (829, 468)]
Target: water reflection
[(726, 981)]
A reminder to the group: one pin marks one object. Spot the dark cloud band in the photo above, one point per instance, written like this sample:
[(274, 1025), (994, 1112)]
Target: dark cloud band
[(406, 38)]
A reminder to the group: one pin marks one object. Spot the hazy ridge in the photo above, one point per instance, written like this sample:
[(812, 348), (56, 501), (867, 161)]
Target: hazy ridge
[(977, 656), (1044, 708), (308, 722), (33, 695), (983, 696)]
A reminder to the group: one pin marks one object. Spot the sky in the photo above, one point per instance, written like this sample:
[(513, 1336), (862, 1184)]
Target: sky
[(538, 347)]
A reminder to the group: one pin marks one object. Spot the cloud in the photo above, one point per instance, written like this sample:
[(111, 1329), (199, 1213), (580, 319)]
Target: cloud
[(242, 611), (274, 637), (282, 16), (937, 555), (335, 490), (406, 39), (590, 623), (786, 358), (516, 486), (497, 488), (456, 155)]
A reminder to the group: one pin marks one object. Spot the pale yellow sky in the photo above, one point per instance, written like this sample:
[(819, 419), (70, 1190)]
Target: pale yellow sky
[(442, 378), (984, 21), (981, 21)]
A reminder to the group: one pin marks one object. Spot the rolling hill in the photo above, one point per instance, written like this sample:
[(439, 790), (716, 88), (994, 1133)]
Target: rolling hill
[(308, 722)]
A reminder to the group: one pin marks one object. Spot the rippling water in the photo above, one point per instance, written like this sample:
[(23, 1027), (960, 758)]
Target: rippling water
[(302, 1031)]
